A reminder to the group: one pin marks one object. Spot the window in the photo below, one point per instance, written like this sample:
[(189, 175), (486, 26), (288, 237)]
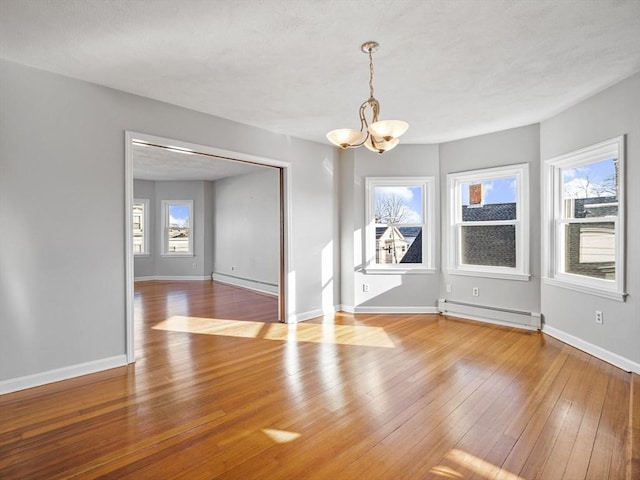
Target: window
[(489, 222), (140, 226), (583, 219), (177, 219), (399, 218)]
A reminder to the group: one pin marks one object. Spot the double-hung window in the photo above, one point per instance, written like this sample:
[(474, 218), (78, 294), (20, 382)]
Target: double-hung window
[(177, 227), (583, 220), (400, 231), (489, 222), (140, 229)]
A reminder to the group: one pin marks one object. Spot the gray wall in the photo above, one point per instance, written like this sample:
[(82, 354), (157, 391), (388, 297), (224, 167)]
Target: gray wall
[(386, 291), (247, 226), (156, 265), (613, 112), (509, 147), (168, 266), (62, 288)]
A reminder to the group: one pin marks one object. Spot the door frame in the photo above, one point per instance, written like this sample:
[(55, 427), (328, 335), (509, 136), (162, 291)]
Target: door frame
[(285, 221)]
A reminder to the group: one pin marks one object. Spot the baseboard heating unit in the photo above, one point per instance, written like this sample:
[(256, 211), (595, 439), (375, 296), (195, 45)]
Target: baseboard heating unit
[(484, 313)]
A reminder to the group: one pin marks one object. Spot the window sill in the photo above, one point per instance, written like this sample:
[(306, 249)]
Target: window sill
[(137, 255), (399, 271), (521, 277), (169, 255), (611, 295)]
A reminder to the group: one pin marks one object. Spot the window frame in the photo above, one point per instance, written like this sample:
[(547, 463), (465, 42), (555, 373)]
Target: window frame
[(428, 226), (521, 270), (553, 221), (166, 204), (145, 227)]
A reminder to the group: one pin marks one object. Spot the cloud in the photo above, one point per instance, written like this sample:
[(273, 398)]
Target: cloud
[(180, 222), (403, 192), (412, 216), (582, 188)]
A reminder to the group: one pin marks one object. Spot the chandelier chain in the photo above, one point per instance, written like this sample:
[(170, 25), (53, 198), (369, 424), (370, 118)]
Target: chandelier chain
[(370, 74)]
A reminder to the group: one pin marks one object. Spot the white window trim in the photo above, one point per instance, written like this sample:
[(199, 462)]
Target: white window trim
[(165, 228), (145, 227), (552, 187), (428, 227), (454, 180)]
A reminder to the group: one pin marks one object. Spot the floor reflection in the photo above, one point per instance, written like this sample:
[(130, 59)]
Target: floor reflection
[(357, 335)]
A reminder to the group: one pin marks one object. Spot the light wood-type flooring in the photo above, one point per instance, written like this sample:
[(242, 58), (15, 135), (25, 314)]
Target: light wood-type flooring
[(220, 390)]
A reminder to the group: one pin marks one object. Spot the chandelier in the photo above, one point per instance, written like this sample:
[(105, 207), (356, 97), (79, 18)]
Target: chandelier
[(377, 135)]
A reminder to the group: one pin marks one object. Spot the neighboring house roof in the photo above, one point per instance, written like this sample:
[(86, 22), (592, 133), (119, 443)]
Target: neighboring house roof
[(386, 232), (414, 254), (493, 211), (590, 207)]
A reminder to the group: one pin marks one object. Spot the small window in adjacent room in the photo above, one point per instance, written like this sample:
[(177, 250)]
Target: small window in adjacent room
[(400, 231), (489, 223), (140, 226), (584, 231), (177, 219)]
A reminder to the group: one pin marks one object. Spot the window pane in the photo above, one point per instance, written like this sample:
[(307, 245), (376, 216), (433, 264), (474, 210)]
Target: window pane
[(398, 205), (591, 249), (489, 200), (493, 245), (398, 245), (178, 239), (590, 190), (138, 228), (179, 230)]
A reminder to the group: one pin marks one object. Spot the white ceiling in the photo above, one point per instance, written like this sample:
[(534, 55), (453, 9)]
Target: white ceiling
[(451, 68), (162, 164)]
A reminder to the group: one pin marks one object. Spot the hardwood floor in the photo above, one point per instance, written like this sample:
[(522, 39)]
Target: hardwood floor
[(220, 390)]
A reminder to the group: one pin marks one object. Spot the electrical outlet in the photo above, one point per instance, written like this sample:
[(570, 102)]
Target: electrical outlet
[(365, 287), (195, 265), (599, 317), (233, 268), (476, 292), (448, 287)]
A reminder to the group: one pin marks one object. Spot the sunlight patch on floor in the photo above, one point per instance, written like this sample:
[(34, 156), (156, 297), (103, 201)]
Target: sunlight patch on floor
[(358, 335), (281, 436), (474, 464)]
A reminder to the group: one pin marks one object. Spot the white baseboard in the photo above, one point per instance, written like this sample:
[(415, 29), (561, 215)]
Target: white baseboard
[(346, 308), (398, 310), (172, 277), (37, 379), (246, 283), (591, 349), (319, 312)]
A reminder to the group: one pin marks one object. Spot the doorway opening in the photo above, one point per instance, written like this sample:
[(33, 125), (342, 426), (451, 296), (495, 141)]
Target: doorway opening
[(197, 159)]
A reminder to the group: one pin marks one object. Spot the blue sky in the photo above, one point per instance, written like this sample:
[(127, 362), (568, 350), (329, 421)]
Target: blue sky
[(590, 180), (179, 215), (412, 197), (502, 190)]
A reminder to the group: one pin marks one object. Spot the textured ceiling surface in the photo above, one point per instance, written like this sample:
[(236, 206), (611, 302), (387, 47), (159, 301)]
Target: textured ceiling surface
[(450, 68), (161, 164)]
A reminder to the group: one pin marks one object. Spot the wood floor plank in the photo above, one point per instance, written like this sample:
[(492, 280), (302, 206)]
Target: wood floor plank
[(221, 390)]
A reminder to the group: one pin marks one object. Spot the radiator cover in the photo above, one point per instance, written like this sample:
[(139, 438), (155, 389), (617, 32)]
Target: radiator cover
[(491, 314)]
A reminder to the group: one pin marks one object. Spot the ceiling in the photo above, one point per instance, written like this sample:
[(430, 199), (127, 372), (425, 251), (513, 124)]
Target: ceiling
[(156, 163), (450, 68)]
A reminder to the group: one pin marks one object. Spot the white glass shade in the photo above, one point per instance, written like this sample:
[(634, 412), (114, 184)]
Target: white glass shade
[(345, 137), (381, 146), (388, 129)]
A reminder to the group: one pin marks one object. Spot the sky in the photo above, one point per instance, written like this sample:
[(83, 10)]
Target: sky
[(501, 190), (412, 197), (179, 215), (592, 180)]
